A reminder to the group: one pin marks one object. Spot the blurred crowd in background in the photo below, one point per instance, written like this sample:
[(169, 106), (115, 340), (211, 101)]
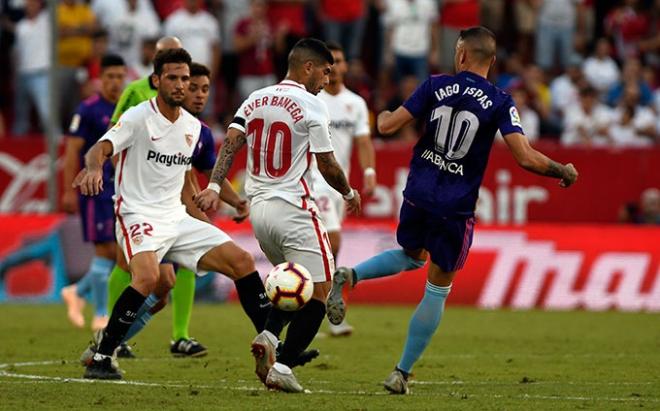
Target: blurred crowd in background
[(582, 72)]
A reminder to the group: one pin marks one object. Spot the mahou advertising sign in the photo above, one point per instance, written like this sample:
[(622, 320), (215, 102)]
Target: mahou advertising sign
[(557, 267)]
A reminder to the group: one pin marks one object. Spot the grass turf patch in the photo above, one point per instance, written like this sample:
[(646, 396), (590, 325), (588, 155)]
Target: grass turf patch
[(477, 360)]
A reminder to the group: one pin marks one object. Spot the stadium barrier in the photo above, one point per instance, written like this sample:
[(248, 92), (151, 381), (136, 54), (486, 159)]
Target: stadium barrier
[(544, 266), (609, 178)]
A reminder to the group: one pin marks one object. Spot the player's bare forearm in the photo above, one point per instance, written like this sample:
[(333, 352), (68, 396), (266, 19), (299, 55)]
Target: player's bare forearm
[(233, 143), (536, 162), (228, 194), (190, 189), (367, 156), (90, 178), (71, 167), (71, 163), (332, 172), (98, 154), (389, 122), (366, 152)]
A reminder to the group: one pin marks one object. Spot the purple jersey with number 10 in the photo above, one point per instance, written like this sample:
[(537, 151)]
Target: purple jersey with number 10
[(462, 114)]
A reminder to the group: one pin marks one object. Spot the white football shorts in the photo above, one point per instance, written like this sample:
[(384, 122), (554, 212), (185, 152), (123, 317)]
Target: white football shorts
[(289, 233), (184, 241), (332, 208)]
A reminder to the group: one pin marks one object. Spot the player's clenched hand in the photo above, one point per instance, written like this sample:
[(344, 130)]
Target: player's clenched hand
[(354, 205), (207, 199), (89, 181), (242, 211), (570, 176)]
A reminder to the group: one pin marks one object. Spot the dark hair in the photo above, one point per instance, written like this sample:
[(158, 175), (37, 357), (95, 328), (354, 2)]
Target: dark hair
[(149, 40), (99, 34), (310, 49), (197, 69), (334, 46), (480, 41), (110, 60), (170, 56), (588, 91)]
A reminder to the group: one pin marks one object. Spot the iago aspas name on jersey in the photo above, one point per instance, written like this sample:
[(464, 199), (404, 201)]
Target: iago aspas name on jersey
[(451, 89), (177, 159)]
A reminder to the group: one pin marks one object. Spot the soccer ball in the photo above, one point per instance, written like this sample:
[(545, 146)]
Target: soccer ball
[(289, 286)]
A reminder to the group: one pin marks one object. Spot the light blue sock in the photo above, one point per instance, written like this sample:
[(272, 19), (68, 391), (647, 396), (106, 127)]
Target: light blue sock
[(84, 285), (142, 318), (387, 263), (94, 279), (423, 324), (99, 270)]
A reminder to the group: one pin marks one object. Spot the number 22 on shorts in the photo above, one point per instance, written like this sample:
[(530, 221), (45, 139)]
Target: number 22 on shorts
[(137, 231)]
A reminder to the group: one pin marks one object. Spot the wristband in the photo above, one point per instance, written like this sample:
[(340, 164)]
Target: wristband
[(369, 171), (349, 196), (213, 186)]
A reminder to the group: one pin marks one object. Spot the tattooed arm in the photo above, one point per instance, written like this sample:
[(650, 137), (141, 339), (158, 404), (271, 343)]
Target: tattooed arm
[(334, 175), (210, 197), (537, 162), (233, 143)]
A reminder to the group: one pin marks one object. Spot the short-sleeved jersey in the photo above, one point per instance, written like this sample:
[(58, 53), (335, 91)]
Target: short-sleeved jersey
[(90, 123), (154, 157), (135, 93), (203, 158), (461, 113), (284, 124), (349, 118)]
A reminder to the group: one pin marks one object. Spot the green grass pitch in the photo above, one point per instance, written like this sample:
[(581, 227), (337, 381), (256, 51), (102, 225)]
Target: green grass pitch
[(478, 360)]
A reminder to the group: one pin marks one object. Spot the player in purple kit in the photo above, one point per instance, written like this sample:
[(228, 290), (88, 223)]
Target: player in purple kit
[(462, 114), (97, 215)]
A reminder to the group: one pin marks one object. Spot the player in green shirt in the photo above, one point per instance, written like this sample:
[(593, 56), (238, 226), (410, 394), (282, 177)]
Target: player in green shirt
[(135, 93), (183, 292)]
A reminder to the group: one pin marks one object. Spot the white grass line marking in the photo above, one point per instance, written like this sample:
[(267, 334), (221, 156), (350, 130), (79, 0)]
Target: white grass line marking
[(43, 379), (32, 379), (30, 363), (541, 356), (494, 383)]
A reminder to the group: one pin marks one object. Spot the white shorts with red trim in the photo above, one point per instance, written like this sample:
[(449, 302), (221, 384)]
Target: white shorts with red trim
[(289, 233), (332, 208), (183, 241)]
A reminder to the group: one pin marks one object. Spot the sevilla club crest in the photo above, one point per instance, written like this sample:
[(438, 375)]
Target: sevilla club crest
[(189, 139), (137, 239)]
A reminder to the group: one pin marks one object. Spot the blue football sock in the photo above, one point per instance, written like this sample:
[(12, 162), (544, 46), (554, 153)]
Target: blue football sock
[(423, 324), (94, 283), (100, 270), (387, 263), (84, 285), (142, 318)]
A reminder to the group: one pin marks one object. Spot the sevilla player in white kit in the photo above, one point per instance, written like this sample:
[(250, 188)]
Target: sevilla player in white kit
[(155, 141), (349, 123), (284, 126)]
